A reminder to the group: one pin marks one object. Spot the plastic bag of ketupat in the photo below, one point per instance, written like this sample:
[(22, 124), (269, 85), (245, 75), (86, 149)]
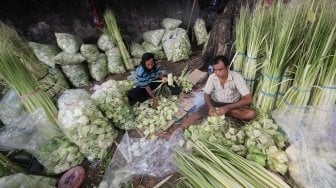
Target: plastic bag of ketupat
[(68, 43), (115, 63), (170, 23), (90, 52), (98, 69), (200, 31), (311, 133), (154, 37), (84, 124), (35, 134), (45, 52), (76, 74), (137, 50), (105, 42)]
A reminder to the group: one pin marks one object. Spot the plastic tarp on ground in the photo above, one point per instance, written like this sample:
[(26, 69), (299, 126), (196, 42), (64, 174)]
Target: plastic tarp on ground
[(138, 156), (27, 181), (10, 107), (312, 154)]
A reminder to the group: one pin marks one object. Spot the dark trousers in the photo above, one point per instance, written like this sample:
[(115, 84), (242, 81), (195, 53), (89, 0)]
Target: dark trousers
[(140, 94), (218, 104)]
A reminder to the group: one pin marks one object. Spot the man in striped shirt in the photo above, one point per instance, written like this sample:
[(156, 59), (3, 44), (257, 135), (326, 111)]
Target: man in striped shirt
[(226, 92), (146, 74)]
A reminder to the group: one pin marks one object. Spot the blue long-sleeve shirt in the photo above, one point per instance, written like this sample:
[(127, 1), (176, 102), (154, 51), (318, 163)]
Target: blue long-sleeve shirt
[(144, 78)]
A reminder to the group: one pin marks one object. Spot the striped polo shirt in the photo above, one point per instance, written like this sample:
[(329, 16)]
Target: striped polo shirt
[(144, 78), (234, 88)]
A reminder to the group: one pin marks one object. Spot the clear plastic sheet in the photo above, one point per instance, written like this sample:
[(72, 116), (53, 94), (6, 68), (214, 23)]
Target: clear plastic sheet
[(27, 181), (33, 133), (312, 154), (138, 156), (10, 107)]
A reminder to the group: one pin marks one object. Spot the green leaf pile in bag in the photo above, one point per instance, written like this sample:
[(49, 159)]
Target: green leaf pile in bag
[(76, 75), (112, 102), (68, 42), (170, 23), (105, 42), (90, 52), (156, 50), (200, 31), (65, 58), (84, 124), (176, 45), (154, 37), (45, 52), (98, 69), (115, 64), (137, 50)]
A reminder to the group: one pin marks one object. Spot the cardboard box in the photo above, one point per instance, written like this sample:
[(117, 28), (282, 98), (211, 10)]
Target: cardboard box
[(197, 76)]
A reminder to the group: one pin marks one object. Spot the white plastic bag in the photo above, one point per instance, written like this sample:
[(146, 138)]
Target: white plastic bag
[(138, 156), (44, 140), (68, 42), (311, 133), (10, 108), (170, 23), (154, 37), (45, 52), (27, 181), (84, 124)]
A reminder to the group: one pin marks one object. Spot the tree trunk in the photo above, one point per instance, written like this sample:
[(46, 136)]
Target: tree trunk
[(222, 35)]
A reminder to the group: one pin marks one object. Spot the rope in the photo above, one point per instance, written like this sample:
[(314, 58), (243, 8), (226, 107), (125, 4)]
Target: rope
[(29, 94)]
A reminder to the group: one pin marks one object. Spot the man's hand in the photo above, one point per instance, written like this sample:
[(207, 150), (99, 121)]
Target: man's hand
[(222, 110), (212, 111), (155, 103)]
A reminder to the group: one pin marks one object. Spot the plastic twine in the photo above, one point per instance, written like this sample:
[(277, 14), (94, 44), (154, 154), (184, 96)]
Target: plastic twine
[(267, 94), (301, 90), (295, 106), (328, 87), (271, 77)]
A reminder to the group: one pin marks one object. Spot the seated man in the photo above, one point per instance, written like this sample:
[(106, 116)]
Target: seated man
[(226, 92)]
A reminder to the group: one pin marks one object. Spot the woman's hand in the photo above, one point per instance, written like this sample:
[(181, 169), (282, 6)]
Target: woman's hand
[(164, 80), (155, 103)]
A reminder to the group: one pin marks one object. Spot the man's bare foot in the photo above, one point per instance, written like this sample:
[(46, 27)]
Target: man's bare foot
[(186, 95), (164, 135)]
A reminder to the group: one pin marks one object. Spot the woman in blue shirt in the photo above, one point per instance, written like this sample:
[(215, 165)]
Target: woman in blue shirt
[(146, 73)]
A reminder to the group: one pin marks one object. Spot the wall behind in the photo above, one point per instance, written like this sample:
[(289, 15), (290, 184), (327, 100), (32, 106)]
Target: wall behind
[(37, 20)]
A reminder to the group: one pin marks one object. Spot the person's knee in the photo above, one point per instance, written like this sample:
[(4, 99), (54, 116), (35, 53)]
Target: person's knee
[(250, 115)]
